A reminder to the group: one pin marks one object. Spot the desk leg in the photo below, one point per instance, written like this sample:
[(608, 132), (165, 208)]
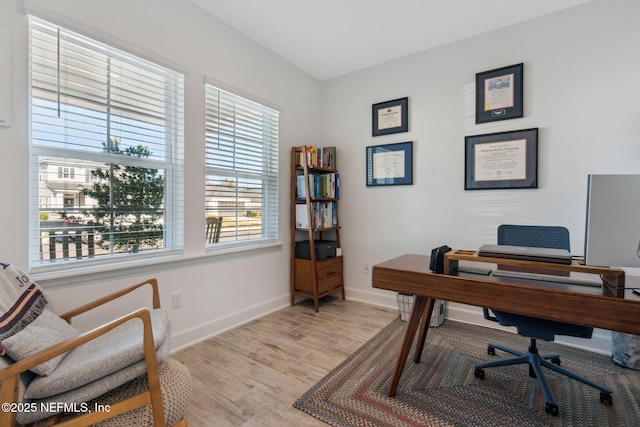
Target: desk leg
[(412, 326), (424, 328)]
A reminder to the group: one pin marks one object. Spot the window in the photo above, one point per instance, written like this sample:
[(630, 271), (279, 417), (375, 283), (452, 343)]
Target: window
[(242, 169), (106, 149)]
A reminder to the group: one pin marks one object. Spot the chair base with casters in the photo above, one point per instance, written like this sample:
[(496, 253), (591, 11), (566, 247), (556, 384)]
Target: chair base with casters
[(536, 361)]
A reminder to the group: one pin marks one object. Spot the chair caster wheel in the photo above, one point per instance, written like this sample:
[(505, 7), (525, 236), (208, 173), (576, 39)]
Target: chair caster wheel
[(479, 373), (491, 351), (556, 361), (551, 408), (606, 398)]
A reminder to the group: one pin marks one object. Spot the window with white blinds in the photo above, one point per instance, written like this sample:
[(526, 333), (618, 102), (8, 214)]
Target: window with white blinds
[(242, 170), (107, 151)]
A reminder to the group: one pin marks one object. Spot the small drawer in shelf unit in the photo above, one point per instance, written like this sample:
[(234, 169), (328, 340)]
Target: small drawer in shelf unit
[(329, 274)]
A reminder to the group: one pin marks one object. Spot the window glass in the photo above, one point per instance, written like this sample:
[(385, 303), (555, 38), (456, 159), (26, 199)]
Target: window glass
[(242, 169), (106, 151)]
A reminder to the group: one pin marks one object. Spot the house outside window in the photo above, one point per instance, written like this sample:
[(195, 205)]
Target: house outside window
[(107, 150), (241, 169)]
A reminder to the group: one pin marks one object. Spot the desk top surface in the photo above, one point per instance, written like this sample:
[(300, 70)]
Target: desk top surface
[(572, 303), (419, 264)]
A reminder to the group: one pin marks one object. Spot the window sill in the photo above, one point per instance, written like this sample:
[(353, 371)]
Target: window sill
[(82, 274)]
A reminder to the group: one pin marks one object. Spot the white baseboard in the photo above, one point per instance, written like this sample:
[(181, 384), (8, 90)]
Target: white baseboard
[(207, 330), (600, 342), (387, 300)]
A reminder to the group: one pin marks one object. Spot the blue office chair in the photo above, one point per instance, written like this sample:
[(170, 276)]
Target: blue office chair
[(534, 328)]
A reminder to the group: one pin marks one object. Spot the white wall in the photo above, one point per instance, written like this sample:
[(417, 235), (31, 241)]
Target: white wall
[(581, 89), (217, 291)]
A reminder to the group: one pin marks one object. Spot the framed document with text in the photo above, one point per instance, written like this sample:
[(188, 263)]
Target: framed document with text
[(390, 164), (390, 117), (501, 160), (499, 94)]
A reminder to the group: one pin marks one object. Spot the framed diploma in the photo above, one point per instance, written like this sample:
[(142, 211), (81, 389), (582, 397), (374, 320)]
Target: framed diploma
[(391, 117), (499, 94), (501, 160), (390, 164)]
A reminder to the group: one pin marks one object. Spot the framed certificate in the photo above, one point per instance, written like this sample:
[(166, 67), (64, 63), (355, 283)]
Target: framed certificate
[(499, 94), (390, 164), (390, 117), (501, 160)]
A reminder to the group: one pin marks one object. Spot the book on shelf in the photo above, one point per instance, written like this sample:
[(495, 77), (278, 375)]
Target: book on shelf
[(312, 185), (302, 217), (301, 189), (319, 157), (334, 220), (327, 216), (323, 215), (321, 185), (326, 157)]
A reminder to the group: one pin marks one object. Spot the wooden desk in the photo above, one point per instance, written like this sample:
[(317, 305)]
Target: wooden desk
[(581, 305)]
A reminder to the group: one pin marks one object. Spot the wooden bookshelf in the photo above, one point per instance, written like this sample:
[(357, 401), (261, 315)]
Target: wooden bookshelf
[(315, 192)]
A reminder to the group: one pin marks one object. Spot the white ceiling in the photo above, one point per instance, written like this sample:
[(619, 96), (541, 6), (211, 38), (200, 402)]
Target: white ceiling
[(329, 38)]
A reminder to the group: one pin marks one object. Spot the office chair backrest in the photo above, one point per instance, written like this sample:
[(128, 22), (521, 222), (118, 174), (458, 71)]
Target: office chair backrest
[(539, 236)]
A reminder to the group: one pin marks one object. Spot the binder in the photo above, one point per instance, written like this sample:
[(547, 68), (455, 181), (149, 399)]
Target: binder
[(302, 218)]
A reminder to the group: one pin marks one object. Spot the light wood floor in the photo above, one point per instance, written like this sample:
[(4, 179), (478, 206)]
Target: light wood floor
[(251, 375)]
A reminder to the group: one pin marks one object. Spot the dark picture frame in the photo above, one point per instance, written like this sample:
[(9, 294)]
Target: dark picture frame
[(499, 94), (503, 160), (390, 164), (390, 117)]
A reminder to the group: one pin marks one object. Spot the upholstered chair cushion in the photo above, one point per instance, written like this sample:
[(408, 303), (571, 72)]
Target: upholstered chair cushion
[(43, 332), (25, 377), (94, 368), (93, 389), (109, 353)]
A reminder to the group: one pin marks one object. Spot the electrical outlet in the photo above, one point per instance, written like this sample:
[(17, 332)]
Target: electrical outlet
[(365, 268), (176, 299)]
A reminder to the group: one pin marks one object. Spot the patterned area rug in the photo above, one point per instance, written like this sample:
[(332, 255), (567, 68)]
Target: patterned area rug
[(442, 390)]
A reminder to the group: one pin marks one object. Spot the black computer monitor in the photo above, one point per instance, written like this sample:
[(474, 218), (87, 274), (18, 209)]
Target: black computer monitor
[(612, 236)]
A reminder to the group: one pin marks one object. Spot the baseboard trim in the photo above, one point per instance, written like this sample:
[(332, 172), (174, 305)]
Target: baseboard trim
[(217, 326), (600, 342)]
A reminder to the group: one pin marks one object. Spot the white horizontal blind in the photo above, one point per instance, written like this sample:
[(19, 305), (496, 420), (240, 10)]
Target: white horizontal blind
[(106, 147), (242, 167)]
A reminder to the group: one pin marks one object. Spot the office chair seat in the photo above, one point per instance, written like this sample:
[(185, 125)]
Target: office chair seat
[(535, 328), (543, 329)]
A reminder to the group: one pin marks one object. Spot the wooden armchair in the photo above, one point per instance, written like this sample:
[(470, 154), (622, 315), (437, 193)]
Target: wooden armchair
[(93, 363)]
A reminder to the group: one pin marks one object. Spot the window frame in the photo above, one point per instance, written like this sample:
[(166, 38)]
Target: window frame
[(269, 176), (171, 164)]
